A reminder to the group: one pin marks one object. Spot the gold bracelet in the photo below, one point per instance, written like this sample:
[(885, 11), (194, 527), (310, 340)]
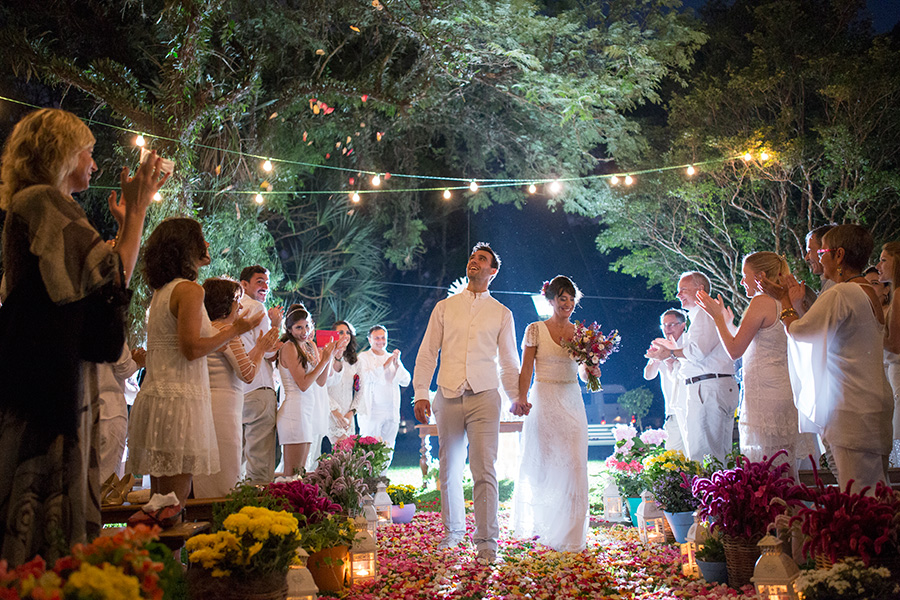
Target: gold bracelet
[(788, 312)]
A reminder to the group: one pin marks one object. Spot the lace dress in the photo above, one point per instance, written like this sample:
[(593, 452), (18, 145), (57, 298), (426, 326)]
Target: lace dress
[(170, 429), (551, 493), (767, 418)]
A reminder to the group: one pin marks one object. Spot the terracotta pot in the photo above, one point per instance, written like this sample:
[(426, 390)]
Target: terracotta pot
[(329, 568)]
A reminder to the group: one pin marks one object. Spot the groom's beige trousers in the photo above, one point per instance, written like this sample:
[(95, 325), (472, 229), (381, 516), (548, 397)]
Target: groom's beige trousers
[(476, 418)]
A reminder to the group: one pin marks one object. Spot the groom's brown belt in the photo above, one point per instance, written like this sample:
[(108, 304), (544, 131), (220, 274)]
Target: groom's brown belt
[(699, 378)]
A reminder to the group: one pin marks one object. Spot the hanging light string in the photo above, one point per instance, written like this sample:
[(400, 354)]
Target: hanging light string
[(471, 184)]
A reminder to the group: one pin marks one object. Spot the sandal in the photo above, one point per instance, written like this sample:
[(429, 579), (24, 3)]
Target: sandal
[(116, 495)]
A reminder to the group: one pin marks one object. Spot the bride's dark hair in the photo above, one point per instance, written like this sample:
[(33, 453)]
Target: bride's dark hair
[(562, 285)]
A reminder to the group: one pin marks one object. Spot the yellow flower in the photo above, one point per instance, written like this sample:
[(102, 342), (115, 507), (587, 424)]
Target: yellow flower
[(105, 581)]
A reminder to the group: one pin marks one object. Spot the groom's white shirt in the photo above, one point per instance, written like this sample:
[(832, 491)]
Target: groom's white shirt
[(472, 332)]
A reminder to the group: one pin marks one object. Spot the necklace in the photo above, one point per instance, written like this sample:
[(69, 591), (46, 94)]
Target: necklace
[(857, 277)]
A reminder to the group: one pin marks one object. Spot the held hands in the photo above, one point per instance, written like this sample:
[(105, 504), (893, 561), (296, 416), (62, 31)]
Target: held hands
[(139, 356), (423, 410), (520, 407)]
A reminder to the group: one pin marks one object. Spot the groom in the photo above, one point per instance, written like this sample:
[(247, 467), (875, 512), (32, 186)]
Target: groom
[(472, 332)]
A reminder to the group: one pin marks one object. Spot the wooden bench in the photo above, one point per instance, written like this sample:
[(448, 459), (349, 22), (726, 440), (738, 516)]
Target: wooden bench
[(808, 478), (197, 515)]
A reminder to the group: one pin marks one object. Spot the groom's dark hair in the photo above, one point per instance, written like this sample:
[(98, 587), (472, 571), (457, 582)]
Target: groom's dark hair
[(485, 247)]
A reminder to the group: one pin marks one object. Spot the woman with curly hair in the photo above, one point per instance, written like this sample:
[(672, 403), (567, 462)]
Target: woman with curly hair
[(55, 269), (171, 435)]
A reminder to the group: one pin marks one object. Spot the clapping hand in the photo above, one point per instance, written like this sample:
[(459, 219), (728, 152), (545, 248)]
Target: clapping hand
[(276, 315), (138, 191), (786, 289), (714, 308), (657, 352), (243, 323), (268, 340)]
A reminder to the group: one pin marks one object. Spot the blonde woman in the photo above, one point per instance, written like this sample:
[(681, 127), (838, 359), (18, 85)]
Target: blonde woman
[(889, 273), (767, 418)]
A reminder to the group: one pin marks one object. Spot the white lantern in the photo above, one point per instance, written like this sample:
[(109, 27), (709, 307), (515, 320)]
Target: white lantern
[(383, 506), (775, 572), (612, 503), (696, 535), (651, 520), (368, 507), (363, 555), (301, 585)]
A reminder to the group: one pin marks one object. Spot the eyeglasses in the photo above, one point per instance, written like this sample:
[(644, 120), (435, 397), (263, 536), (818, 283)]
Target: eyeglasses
[(822, 251)]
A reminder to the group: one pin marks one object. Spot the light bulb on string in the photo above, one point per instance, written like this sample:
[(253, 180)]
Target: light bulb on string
[(691, 170), (139, 141), (446, 194), (614, 180), (473, 187), (157, 196), (259, 198), (763, 156), (748, 157), (532, 189), (354, 197), (376, 180), (628, 180), (555, 186), (267, 166)]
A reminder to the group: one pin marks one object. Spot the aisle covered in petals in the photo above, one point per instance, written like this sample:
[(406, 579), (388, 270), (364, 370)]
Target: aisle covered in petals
[(615, 565)]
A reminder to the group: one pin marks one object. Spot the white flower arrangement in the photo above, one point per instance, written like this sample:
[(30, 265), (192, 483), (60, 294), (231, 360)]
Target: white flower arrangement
[(850, 579)]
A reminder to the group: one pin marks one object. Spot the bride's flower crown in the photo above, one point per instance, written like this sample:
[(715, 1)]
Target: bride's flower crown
[(544, 288)]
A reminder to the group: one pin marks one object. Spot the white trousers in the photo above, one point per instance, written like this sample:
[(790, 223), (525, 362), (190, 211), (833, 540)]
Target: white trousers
[(709, 418), (259, 435), (383, 426), (474, 418), (864, 468), (112, 446), (672, 427)]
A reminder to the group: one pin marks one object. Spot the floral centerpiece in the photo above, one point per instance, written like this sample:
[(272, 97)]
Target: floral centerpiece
[(849, 579), (626, 463), (129, 565), (252, 551), (375, 451), (840, 524), (330, 531), (340, 476), (670, 476), (303, 499), (590, 348), (402, 494)]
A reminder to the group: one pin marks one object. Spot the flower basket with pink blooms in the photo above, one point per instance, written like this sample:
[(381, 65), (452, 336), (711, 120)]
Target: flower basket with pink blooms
[(626, 463), (590, 348)]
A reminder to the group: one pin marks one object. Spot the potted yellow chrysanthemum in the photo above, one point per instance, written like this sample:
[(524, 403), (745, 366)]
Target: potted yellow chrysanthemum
[(247, 559)]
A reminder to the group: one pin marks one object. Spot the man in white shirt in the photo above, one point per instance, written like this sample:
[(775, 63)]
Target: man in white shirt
[(672, 324), (708, 373), (260, 398), (382, 377), (472, 332)]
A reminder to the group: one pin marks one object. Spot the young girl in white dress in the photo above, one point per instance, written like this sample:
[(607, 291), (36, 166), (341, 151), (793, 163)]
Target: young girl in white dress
[(303, 415), (171, 435), (551, 494), (767, 418), (344, 386)]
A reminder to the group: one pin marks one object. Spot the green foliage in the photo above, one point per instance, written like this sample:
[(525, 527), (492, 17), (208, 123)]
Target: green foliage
[(244, 494), (713, 550), (637, 402)]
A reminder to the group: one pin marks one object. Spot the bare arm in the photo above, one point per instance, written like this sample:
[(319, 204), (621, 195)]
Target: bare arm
[(759, 313), (521, 406), (291, 361), (892, 326), (186, 304)]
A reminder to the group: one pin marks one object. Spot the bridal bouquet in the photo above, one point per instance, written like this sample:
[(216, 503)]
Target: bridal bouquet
[(589, 347)]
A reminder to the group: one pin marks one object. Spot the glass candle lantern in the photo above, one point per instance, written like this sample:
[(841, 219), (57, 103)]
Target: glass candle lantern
[(651, 520), (383, 506), (301, 585), (775, 572), (363, 555), (612, 503)]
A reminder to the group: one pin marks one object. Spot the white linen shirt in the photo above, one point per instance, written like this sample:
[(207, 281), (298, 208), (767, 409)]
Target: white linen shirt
[(264, 377), (703, 350), (670, 379), (472, 332), (379, 394)]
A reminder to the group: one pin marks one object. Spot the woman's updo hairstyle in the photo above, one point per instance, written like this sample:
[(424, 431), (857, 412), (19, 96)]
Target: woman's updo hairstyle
[(773, 265), (561, 285), (172, 251), (221, 292)]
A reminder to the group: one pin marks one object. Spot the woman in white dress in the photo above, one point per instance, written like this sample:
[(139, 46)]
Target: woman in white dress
[(835, 350), (171, 435), (767, 418), (303, 415), (344, 386), (889, 273), (230, 367), (551, 494)]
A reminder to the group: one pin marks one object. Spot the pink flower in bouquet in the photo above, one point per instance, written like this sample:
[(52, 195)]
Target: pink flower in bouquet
[(589, 347), (624, 432), (368, 440), (654, 437)]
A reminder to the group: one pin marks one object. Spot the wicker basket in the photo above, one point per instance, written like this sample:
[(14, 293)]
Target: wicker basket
[(670, 535), (740, 556), (823, 562), (203, 586)]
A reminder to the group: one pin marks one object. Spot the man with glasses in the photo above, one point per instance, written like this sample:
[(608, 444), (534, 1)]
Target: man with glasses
[(672, 323), (814, 251), (708, 374)]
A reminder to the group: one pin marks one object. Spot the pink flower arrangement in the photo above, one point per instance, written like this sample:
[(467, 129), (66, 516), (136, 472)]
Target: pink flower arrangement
[(590, 348), (626, 463), (743, 501), (304, 499)]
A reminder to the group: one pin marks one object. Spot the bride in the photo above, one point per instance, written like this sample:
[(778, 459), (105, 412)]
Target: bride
[(551, 493)]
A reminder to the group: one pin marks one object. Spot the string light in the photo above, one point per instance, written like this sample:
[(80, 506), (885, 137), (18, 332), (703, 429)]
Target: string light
[(764, 156), (628, 180), (614, 180), (532, 189), (355, 197), (259, 198), (446, 194), (748, 157), (157, 196), (139, 141), (691, 170), (473, 187), (555, 186), (376, 180), (267, 166)]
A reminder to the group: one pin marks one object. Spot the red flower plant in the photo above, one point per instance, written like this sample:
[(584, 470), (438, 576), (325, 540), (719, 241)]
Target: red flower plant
[(303, 498), (743, 501)]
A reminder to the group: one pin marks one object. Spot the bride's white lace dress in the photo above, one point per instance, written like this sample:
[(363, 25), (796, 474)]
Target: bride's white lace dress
[(551, 493)]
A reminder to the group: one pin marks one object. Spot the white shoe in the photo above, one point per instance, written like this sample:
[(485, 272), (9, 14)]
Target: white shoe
[(450, 540), (487, 556)]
